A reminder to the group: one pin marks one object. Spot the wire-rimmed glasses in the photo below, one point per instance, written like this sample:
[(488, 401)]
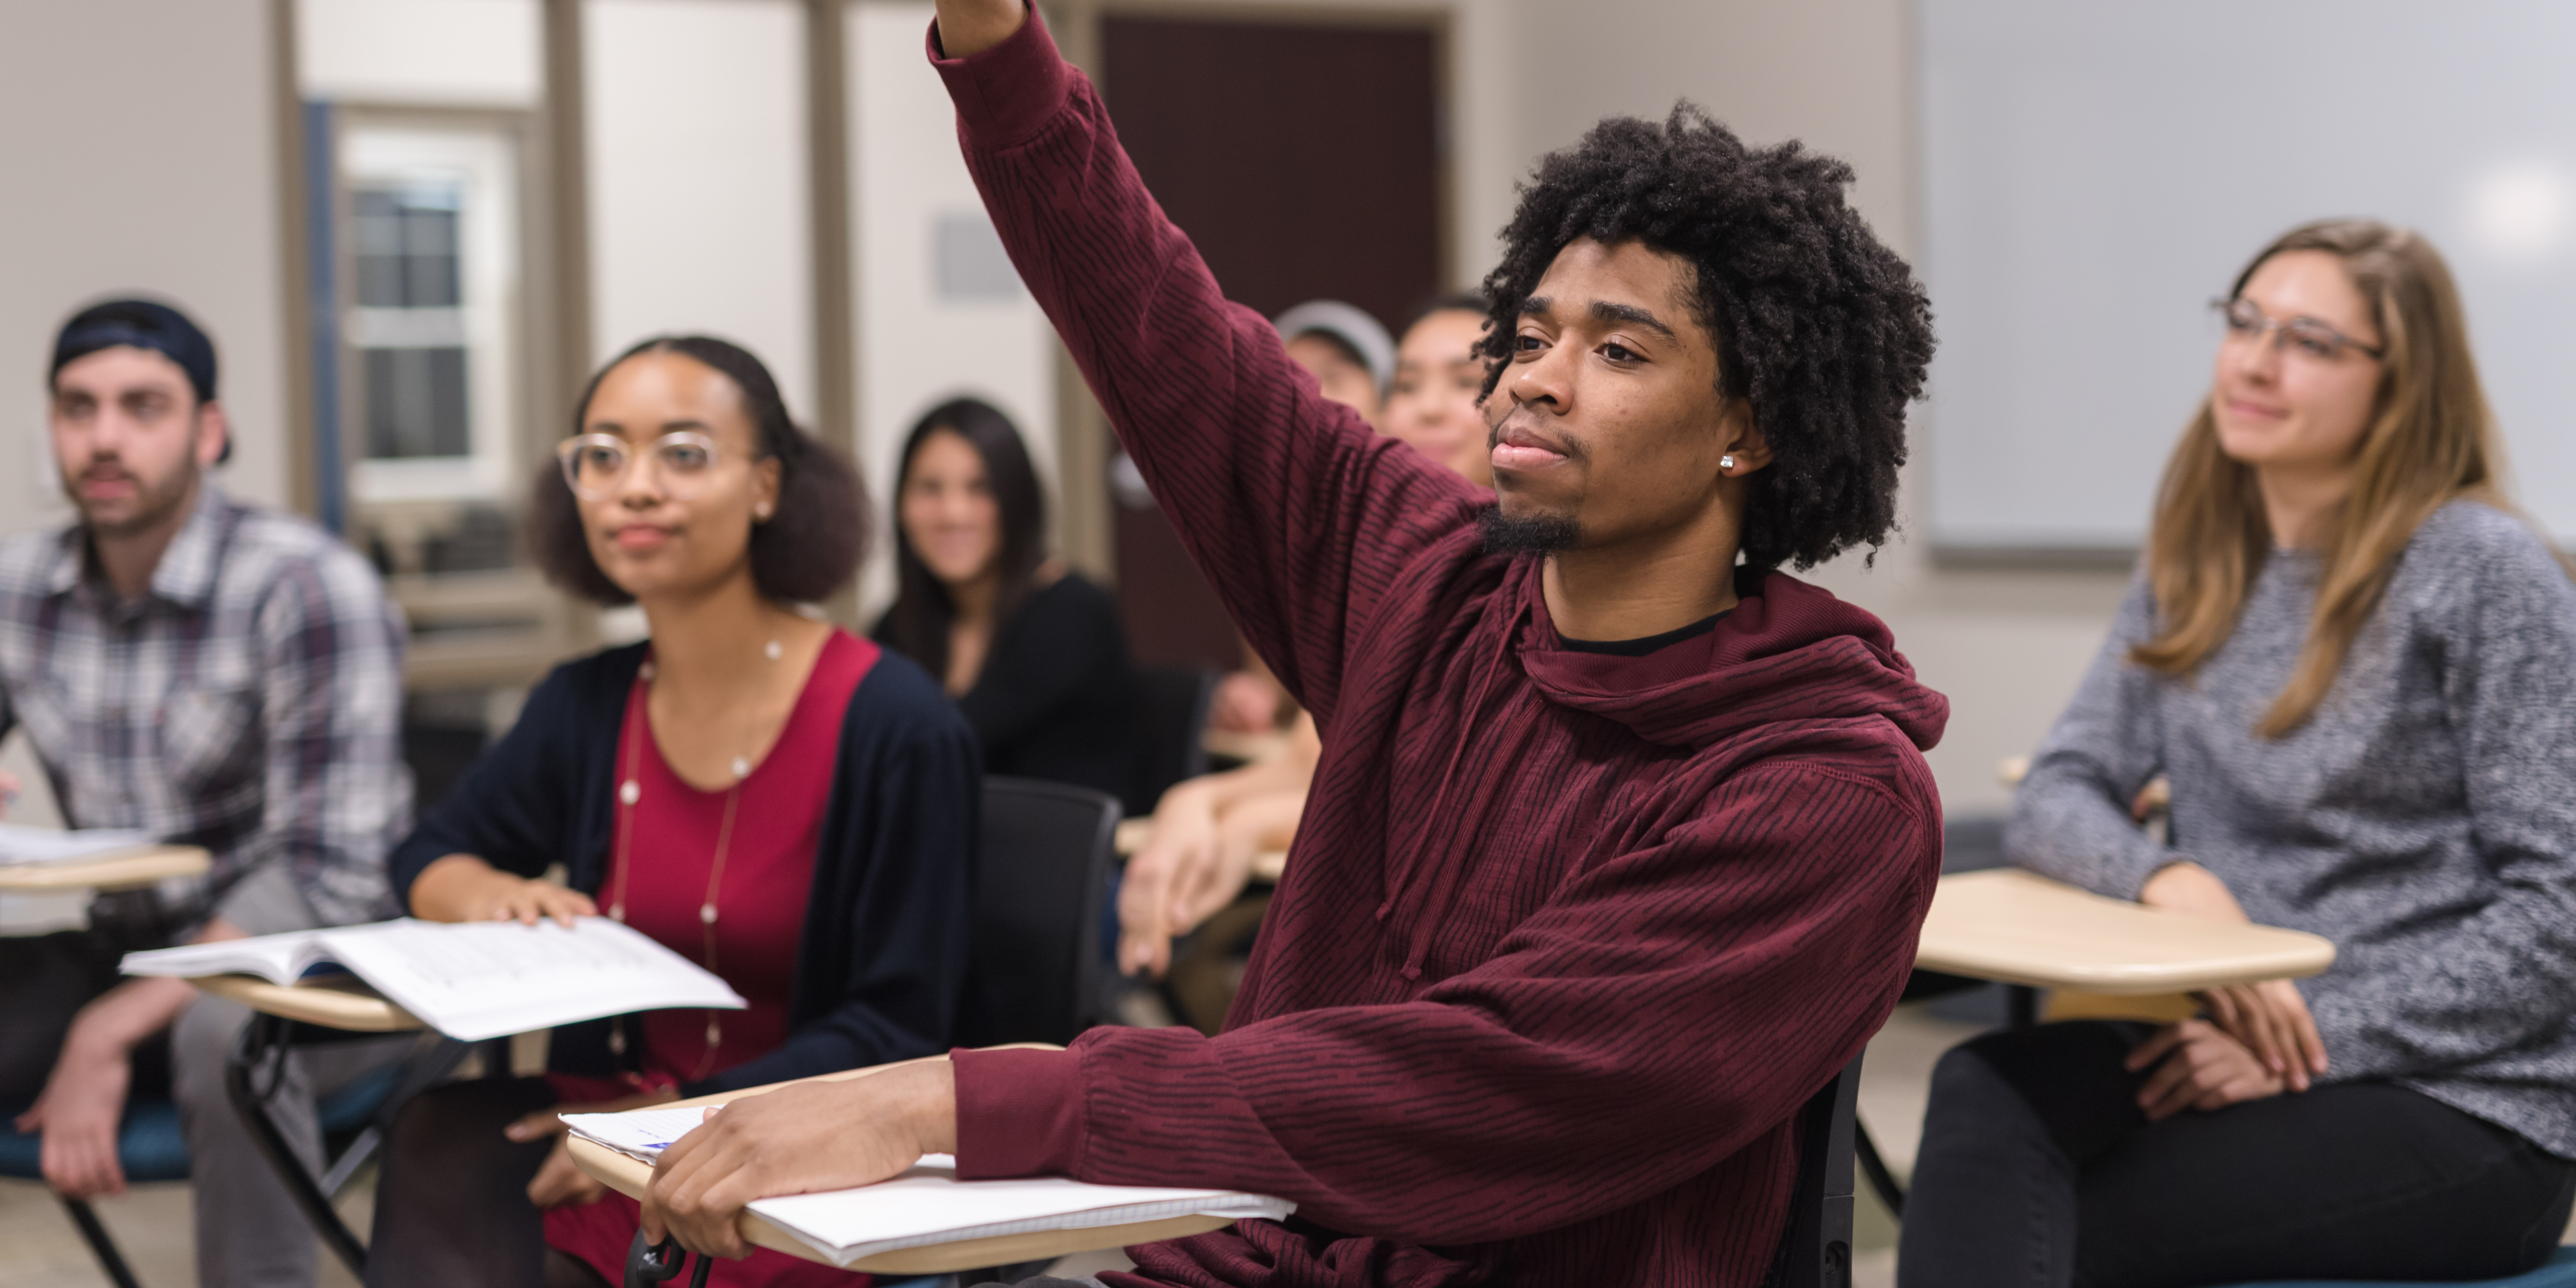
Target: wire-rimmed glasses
[(595, 465), (2302, 335)]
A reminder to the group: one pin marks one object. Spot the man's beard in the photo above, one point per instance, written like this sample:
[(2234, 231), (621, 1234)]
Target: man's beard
[(1537, 534), (153, 504)]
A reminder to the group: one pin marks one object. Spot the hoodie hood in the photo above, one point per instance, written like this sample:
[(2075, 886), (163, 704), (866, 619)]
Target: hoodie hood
[(1787, 651)]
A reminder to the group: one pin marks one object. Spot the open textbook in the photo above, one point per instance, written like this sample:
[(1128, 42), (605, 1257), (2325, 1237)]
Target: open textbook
[(21, 844), (474, 980), (927, 1204)]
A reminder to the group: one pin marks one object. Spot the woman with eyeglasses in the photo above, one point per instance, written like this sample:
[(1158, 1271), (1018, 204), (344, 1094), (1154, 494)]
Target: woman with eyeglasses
[(767, 795), (2356, 664)]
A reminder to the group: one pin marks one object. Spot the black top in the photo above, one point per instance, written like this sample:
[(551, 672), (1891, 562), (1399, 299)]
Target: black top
[(1647, 644), (881, 961), (1057, 696)]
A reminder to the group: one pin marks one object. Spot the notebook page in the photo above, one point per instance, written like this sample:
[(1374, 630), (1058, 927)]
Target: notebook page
[(490, 979), (637, 1133), (279, 959), (31, 845), (928, 1205)]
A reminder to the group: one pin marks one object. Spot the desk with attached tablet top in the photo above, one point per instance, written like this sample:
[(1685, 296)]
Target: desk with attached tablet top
[(631, 1176)]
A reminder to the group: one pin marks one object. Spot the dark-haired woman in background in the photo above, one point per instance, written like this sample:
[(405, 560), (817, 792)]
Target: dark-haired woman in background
[(2358, 667), (1032, 652), (771, 797)]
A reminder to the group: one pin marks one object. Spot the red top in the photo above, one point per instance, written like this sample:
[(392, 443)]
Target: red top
[(669, 836), (1566, 938)]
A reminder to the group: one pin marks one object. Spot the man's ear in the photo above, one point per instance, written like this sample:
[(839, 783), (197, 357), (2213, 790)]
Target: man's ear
[(214, 434), (1743, 439)]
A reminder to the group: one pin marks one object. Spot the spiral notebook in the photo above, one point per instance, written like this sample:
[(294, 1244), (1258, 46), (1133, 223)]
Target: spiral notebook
[(926, 1204)]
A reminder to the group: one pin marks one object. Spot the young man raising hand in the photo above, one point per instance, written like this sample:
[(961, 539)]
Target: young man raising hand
[(1618, 847)]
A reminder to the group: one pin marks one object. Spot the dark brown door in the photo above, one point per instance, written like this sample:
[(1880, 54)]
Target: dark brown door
[(1305, 162)]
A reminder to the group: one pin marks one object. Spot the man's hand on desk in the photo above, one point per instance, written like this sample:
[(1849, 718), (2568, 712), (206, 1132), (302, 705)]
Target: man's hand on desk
[(969, 27), (797, 1140), (2270, 1018), (2202, 1068)]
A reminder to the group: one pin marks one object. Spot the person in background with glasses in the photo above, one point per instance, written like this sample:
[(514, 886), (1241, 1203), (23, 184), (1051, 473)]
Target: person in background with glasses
[(2357, 664), (213, 673), (767, 795)]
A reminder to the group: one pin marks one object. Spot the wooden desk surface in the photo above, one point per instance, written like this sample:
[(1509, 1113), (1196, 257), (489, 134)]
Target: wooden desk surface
[(2021, 928), (630, 1176), (339, 1002), (1135, 832), (116, 872)]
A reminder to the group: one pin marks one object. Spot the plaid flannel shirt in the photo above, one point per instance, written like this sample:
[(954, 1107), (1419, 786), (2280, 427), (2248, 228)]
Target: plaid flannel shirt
[(250, 703)]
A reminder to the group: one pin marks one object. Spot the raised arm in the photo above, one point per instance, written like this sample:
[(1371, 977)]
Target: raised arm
[(1298, 514), (2070, 816)]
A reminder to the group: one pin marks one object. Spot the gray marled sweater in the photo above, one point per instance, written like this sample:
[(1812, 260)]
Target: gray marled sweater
[(2424, 819)]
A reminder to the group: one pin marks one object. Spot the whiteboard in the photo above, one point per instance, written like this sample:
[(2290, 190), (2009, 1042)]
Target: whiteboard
[(2094, 174)]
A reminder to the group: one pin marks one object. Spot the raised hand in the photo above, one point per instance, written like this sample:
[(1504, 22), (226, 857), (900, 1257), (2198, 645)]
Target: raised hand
[(969, 27)]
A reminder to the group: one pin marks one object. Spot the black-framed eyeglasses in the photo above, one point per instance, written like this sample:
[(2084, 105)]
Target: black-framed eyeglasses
[(2301, 335)]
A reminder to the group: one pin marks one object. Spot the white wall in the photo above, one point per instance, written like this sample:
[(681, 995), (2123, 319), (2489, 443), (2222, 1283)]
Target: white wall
[(138, 147), (918, 348), (699, 205), (448, 53)]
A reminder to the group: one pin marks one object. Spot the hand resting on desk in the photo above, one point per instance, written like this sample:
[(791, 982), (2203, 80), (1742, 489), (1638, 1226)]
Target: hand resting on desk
[(800, 1139), (462, 887)]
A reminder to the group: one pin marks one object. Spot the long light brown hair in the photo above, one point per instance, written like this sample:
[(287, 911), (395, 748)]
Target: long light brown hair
[(2431, 440)]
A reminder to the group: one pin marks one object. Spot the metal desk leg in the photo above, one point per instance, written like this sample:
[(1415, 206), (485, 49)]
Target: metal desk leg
[(100, 1245), (262, 1052), (2021, 1005), (1881, 1180)]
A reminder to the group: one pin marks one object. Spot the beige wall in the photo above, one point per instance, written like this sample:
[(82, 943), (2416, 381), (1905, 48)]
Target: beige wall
[(2007, 646), (138, 147)]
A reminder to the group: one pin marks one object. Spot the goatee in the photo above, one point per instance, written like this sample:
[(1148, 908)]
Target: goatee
[(1537, 534)]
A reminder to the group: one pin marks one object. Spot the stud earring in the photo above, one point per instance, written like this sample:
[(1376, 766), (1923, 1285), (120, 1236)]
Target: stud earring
[(762, 513), (1726, 462)]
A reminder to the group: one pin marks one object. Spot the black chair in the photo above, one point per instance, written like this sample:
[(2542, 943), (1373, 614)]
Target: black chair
[(1817, 1250), (1171, 726), (1033, 973)]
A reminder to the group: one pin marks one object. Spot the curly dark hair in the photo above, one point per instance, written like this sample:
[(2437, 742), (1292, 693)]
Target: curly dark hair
[(810, 546), (1820, 328)]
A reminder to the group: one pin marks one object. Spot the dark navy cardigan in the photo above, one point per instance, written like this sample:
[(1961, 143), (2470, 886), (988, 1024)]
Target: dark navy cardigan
[(881, 961)]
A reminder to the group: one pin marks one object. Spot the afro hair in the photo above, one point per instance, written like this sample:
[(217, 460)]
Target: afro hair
[(1820, 328)]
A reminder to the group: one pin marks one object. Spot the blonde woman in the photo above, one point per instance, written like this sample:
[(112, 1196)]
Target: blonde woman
[(2358, 667)]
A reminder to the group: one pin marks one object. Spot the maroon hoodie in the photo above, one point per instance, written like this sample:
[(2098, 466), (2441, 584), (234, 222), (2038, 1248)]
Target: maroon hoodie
[(1566, 938)]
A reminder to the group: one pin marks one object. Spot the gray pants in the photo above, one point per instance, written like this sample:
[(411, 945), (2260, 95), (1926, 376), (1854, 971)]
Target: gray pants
[(250, 1233)]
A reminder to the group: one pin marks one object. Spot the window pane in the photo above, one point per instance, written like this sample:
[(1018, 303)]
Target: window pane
[(415, 403)]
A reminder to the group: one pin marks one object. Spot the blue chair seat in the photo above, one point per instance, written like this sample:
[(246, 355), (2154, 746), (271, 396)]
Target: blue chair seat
[(2560, 1272), (152, 1146), (149, 1144)]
